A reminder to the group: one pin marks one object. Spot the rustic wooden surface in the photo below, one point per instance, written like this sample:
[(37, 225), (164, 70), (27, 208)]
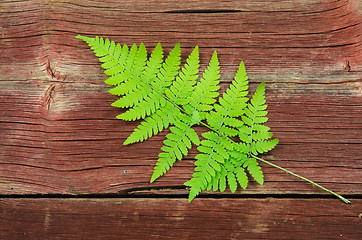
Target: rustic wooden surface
[(176, 219), (60, 135)]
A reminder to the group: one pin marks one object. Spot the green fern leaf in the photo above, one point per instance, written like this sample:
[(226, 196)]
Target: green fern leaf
[(144, 87), (241, 177), (254, 133), (178, 92), (254, 169), (156, 91), (206, 90), (183, 86), (154, 124), (127, 80), (213, 153), (164, 95), (177, 144)]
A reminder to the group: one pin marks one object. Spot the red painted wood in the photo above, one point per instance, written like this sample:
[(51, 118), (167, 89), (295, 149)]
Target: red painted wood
[(176, 219), (59, 132)]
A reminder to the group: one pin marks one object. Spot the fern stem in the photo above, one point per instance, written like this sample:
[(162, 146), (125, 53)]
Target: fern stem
[(303, 178)]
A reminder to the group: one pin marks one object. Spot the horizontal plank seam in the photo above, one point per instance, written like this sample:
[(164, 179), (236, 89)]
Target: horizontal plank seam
[(181, 196)]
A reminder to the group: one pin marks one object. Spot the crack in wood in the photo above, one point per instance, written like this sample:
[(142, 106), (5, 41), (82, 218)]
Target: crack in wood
[(55, 74), (347, 66), (48, 97), (176, 194)]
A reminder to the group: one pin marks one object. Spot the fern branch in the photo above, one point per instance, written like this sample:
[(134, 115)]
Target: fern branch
[(177, 93), (213, 154), (154, 99), (144, 87), (206, 90), (176, 145), (154, 124)]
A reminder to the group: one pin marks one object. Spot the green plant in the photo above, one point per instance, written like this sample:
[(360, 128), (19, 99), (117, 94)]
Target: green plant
[(165, 96)]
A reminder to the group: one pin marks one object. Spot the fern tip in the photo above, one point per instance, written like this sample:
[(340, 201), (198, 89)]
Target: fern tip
[(191, 197), (128, 141), (242, 65), (82, 37), (153, 178)]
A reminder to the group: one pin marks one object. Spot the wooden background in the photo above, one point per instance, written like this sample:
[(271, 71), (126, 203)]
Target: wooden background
[(64, 172)]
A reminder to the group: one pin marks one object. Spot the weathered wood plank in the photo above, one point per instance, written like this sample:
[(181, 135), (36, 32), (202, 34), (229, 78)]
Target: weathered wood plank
[(176, 219), (59, 131), (284, 37), (70, 142)]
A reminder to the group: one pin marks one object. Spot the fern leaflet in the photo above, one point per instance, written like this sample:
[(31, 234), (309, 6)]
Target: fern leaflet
[(177, 94), (177, 144)]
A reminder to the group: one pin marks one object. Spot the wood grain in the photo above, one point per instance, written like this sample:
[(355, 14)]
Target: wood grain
[(77, 147), (59, 131), (176, 219)]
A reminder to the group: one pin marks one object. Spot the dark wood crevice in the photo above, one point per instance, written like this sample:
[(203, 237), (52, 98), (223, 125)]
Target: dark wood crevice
[(179, 192)]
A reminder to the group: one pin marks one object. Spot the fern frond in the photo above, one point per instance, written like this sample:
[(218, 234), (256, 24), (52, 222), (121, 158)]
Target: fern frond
[(177, 93), (157, 91), (183, 86), (120, 63), (177, 144), (225, 116), (255, 170), (253, 133), (213, 153), (129, 79), (153, 124), (143, 87), (206, 90)]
